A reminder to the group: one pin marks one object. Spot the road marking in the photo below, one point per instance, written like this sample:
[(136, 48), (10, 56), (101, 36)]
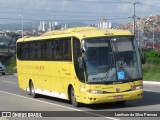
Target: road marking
[(151, 82), (2, 118), (61, 106), (9, 82), (148, 90)]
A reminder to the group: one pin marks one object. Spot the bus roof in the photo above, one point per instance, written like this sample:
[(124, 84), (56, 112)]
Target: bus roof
[(79, 32)]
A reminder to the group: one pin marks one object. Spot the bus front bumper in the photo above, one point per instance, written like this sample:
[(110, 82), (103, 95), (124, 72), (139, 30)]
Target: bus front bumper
[(113, 97)]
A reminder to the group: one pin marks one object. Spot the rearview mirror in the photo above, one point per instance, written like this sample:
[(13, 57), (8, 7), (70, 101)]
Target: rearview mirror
[(83, 47), (143, 57)]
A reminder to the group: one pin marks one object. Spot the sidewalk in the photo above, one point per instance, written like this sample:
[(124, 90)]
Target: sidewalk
[(151, 82)]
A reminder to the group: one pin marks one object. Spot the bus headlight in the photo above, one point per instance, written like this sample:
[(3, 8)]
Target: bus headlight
[(137, 87), (95, 91)]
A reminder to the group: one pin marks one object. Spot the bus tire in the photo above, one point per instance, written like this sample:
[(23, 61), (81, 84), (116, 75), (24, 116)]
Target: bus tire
[(28, 92), (32, 90), (73, 98)]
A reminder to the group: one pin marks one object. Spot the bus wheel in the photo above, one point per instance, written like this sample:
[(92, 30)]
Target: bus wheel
[(32, 90), (28, 92), (120, 102), (73, 98)]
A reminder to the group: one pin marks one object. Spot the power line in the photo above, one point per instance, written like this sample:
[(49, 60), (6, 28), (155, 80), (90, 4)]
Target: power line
[(87, 1), (100, 16), (60, 19), (149, 5), (59, 15), (152, 11), (43, 19), (22, 9), (15, 19)]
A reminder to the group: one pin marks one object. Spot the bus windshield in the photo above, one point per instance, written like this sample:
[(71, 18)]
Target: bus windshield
[(112, 59)]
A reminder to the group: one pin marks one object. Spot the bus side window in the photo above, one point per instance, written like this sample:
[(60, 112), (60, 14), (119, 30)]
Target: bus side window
[(38, 50), (76, 49), (44, 50), (76, 55), (25, 51), (49, 50), (32, 51), (58, 51), (20, 51), (53, 50), (67, 49)]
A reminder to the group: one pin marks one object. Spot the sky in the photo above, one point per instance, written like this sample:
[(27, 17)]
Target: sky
[(89, 11)]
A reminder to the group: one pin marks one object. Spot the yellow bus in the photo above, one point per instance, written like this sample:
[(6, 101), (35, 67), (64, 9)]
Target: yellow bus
[(84, 65)]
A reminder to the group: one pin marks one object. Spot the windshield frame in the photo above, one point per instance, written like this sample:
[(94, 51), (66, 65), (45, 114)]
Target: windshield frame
[(110, 42)]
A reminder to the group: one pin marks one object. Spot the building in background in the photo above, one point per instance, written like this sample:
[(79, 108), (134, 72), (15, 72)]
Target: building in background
[(104, 24), (43, 26), (57, 26), (66, 26), (51, 26), (149, 46), (54, 26)]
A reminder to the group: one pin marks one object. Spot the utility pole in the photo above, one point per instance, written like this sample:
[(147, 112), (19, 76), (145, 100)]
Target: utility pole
[(134, 16), (138, 34)]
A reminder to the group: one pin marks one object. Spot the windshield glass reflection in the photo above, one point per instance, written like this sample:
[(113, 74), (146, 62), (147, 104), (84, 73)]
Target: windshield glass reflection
[(126, 55), (99, 61), (111, 59)]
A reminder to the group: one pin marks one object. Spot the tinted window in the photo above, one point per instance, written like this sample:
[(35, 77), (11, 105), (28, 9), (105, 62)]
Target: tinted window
[(67, 49), (55, 49), (32, 51), (58, 49), (77, 54), (44, 51), (19, 50)]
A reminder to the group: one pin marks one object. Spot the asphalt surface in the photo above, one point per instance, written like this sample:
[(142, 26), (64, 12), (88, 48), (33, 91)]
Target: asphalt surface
[(14, 99)]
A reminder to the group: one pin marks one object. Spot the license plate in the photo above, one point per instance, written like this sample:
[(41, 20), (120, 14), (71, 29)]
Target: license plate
[(118, 97)]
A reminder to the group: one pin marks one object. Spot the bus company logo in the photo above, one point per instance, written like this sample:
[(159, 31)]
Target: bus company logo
[(118, 90), (6, 114)]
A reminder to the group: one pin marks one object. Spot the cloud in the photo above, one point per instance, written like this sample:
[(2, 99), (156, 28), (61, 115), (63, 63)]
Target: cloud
[(125, 7), (65, 7)]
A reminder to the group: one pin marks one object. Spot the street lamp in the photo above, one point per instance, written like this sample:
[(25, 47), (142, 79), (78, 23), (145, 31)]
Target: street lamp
[(22, 23), (136, 26)]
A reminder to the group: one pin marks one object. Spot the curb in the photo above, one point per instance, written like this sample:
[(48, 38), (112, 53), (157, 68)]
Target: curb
[(15, 74), (151, 82)]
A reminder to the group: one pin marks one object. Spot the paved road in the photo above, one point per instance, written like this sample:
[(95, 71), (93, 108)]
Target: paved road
[(14, 99)]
